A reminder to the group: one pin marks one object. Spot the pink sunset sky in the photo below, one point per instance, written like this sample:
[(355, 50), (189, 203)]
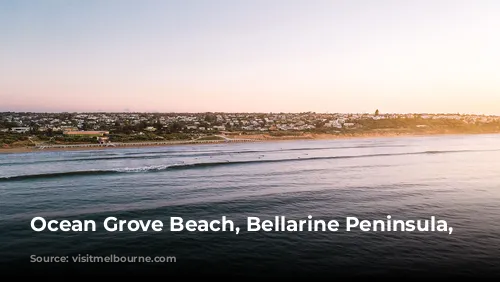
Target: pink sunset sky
[(250, 56)]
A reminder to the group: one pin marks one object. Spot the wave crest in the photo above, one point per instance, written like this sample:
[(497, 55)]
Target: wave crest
[(159, 168)]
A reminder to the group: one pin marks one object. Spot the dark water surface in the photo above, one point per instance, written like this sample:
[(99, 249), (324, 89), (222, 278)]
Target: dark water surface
[(455, 178)]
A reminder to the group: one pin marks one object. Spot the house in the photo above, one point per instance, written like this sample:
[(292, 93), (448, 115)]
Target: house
[(220, 128), (69, 128), (103, 140), (333, 123), (20, 129)]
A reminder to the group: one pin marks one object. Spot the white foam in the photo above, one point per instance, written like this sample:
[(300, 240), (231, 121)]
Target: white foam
[(143, 169)]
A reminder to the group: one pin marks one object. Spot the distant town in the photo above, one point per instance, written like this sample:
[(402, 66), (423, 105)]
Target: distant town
[(19, 127)]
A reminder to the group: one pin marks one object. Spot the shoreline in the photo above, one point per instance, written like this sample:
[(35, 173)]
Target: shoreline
[(254, 139)]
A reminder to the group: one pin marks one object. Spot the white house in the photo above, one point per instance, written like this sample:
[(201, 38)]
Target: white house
[(221, 127), (333, 123), (20, 129)]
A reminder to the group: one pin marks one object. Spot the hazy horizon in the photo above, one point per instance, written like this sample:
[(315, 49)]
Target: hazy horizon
[(250, 56), (247, 112)]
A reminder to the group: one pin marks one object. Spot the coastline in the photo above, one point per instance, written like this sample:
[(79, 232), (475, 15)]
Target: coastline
[(254, 138)]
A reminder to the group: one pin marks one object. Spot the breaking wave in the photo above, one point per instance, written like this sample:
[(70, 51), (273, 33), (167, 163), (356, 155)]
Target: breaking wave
[(159, 168), (185, 154)]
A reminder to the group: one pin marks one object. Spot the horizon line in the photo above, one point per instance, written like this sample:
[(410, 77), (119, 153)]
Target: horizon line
[(247, 112)]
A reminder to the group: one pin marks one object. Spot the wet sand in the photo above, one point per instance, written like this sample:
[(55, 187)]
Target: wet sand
[(258, 138)]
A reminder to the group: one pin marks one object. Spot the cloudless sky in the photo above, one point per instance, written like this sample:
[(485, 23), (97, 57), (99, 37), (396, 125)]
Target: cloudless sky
[(250, 56)]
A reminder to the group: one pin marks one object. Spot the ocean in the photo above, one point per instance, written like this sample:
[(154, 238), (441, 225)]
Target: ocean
[(455, 178)]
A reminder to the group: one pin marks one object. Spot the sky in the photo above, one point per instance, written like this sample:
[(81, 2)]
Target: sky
[(426, 56)]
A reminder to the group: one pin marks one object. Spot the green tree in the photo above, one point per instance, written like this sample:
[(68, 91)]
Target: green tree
[(376, 112), (158, 125), (319, 124), (175, 127), (209, 117), (86, 126)]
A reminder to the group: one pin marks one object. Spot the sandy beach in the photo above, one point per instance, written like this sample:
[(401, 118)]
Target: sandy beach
[(257, 138)]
